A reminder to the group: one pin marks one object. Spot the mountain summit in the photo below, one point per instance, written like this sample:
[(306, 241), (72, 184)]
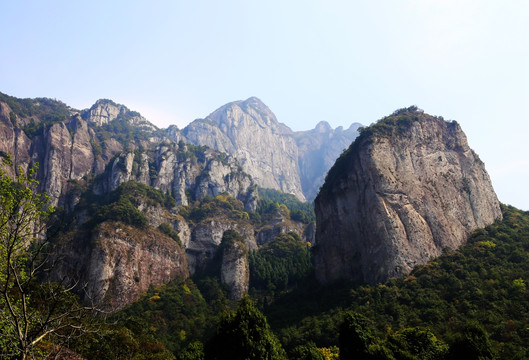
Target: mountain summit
[(275, 156), (405, 190), (250, 132)]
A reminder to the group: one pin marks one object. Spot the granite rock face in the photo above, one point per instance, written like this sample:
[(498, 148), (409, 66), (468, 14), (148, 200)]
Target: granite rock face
[(118, 263), (275, 156), (318, 149), (235, 269), (188, 174), (406, 189), (250, 132)]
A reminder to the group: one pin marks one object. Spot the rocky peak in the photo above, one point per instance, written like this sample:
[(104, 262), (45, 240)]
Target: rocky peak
[(104, 111), (317, 150), (406, 189), (323, 127), (250, 132)]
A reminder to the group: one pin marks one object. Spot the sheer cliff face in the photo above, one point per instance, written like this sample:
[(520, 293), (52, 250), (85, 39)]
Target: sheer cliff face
[(118, 263), (250, 132), (406, 189), (318, 149)]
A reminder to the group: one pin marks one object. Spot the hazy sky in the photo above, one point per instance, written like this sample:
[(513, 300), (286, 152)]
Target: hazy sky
[(339, 61)]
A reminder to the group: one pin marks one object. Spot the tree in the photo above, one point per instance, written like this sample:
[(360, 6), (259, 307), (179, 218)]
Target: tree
[(244, 334), (355, 337), (474, 344), (30, 311)]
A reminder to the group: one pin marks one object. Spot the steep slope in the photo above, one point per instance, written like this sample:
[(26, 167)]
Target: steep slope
[(118, 263), (318, 149), (406, 189), (250, 132)]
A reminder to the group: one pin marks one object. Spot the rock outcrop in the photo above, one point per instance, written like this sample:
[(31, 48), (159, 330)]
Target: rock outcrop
[(405, 190), (235, 267), (118, 263), (187, 172), (318, 149), (250, 132), (275, 156)]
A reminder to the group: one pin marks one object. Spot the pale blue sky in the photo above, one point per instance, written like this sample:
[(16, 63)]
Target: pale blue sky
[(339, 61)]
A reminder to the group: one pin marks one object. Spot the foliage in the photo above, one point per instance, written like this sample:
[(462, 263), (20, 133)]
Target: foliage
[(306, 352), (30, 312), (122, 204), (166, 229), (121, 343), (244, 334), (41, 111), (480, 283), (272, 201), (123, 130), (209, 207), (282, 262), (175, 314)]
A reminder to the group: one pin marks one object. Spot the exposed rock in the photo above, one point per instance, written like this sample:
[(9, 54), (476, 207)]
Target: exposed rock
[(235, 268), (250, 132), (406, 189), (178, 171), (318, 149), (279, 225), (119, 263), (105, 111), (207, 236)]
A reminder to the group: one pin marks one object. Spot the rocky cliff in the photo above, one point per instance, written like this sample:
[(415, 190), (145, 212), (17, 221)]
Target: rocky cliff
[(118, 263), (235, 267), (250, 132), (318, 149), (274, 155), (140, 208), (406, 189)]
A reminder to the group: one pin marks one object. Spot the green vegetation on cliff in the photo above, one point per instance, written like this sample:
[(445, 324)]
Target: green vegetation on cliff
[(485, 282)]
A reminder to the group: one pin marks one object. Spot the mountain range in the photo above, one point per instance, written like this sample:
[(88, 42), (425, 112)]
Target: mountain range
[(171, 227)]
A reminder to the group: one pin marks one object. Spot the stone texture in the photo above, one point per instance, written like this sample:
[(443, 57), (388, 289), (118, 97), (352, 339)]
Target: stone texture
[(235, 269), (250, 132), (206, 238), (405, 190), (118, 263), (318, 149)]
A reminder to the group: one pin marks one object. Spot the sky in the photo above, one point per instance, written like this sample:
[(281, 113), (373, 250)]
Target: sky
[(338, 61)]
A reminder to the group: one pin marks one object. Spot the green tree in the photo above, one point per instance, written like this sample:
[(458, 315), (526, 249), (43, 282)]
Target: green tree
[(355, 337), (244, 334), (473, 344), (30, 312), (308, 351), (415, 343)]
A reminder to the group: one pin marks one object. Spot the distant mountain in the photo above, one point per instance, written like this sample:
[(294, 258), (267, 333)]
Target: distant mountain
[(406, 189), (318, 149), (275, 156), (250, 132)]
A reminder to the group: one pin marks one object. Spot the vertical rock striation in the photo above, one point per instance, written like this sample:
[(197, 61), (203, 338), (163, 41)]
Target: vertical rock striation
[(250, 132), (406, 189)]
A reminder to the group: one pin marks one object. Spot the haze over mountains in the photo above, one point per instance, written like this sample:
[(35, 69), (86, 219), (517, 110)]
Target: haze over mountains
[(98, 164), (144, 213)]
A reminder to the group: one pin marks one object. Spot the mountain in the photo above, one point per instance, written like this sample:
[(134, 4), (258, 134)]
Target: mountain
[(408, 188), (275, 156), (318, 149), (136, 208), (250, 132)]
